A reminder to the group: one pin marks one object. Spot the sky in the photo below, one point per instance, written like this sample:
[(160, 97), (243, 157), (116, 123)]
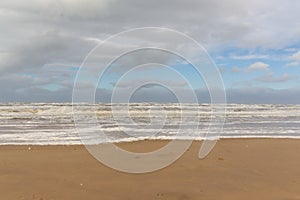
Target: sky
[(254, 44)]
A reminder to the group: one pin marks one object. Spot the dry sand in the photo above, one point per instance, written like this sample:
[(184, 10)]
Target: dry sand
[(236, 169)]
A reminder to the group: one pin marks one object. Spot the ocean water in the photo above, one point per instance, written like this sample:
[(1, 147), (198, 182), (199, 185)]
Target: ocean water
[(60, 123)]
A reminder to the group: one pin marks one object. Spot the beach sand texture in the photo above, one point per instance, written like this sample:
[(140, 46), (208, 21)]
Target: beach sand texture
[(235, 169)]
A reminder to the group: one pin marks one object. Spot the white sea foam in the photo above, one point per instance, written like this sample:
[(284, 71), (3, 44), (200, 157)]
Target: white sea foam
[(53, 123)]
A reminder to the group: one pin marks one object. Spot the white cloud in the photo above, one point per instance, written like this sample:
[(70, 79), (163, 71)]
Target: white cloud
[(248, 57), (235, 69), (292, 64), (296, 56), (222, 69), (271, 78), (290, 49), (258, 66)]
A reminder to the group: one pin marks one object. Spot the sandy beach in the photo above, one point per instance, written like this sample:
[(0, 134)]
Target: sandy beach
[(235, 169)]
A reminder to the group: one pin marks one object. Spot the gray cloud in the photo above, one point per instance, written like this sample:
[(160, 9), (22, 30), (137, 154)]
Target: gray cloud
[(264, 95), (211, 22), (238, 95), (154, 94), (167, 82), (47, 48), (37, 36)]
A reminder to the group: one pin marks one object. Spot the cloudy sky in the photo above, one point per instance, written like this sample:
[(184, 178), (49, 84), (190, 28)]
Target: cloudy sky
[(255, 45)]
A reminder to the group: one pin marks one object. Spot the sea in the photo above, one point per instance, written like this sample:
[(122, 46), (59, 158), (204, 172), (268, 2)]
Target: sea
[(72, 124)]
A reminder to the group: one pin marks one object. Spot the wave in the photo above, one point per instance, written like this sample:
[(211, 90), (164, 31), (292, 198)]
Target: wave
[(54, 123)]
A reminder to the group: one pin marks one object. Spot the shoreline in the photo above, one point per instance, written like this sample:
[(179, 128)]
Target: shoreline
[(160, 140), (235, 169)]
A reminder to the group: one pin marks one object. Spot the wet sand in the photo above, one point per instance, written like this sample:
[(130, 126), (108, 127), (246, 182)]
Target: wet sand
[(235, 169)]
